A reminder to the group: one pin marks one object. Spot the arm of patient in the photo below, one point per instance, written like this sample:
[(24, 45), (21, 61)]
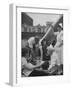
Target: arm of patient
[(30, 66)]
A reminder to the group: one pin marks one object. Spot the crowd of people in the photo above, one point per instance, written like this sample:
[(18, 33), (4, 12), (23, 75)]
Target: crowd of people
[(43, 57)]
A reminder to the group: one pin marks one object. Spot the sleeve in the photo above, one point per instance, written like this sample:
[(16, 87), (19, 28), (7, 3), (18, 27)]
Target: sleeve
[(40, 42), (53, 58), (23, 61)]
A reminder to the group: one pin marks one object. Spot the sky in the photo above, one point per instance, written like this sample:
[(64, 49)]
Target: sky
[(41, 18)]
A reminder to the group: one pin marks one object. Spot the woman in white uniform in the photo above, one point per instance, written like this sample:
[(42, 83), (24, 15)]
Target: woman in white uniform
[(57, 51)]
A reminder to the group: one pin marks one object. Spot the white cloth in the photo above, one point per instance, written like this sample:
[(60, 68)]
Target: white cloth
[(31, 41), (50, 47), (59, 52), (53, 61), (58, 48), (26, 71), (59, 38), (56, 57)]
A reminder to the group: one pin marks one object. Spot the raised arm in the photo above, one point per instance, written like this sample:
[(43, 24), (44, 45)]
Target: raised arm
[(41, 52), (50, 29)]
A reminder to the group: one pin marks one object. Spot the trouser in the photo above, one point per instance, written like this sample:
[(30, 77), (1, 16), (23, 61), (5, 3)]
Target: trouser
[(45, 65), (38, 73)]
